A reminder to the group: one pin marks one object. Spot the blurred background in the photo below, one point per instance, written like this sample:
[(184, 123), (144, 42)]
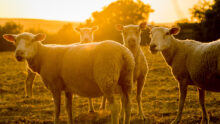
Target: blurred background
[(198, 19)]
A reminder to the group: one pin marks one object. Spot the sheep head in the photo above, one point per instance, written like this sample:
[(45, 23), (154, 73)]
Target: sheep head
[(161, 38), (86, 34), (26, 44), (131, 34)]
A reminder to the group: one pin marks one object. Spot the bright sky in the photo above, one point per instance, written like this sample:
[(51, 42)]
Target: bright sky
[(80, 10)]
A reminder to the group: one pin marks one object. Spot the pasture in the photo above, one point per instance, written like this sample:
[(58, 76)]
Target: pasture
[(159, 98)]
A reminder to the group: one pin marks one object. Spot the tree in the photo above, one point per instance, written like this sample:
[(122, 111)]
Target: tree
[(66, 35), (208, 14), (198, 11), (120, 11), (9, 28)]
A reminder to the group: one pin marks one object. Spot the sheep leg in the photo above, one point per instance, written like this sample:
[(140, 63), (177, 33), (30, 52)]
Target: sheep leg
[(122, 114), (205, 119), (126, 108), (69, 106), (183, 92), (29, 83), (91, 108), (56, 99), (115, 109), (140, 84), (103, 103)]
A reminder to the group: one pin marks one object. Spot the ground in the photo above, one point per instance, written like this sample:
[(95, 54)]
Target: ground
[(159, 98)]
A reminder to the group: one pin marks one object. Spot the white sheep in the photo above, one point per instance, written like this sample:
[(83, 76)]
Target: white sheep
[(86, 34), (132, 38), (89, 70), (192, 63)]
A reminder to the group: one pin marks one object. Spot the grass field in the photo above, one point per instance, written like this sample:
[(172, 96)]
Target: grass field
[(160, 98)]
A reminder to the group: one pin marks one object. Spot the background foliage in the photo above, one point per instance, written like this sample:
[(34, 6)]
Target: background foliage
[(206, 15)]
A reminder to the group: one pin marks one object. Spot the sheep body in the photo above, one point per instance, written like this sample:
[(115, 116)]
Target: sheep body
[(199, 63), (80, 61), (207, 72), (192, 63), (90, 70), (132, 38), (31, 76)]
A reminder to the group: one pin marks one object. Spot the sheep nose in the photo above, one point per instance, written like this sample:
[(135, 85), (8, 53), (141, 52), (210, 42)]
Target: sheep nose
[(152, 47), (19, 55)]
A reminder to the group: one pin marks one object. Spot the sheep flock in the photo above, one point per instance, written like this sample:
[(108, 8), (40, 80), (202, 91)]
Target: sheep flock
[(111, 70)]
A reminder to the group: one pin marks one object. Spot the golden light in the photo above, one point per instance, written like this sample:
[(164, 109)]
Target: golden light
[(80, 10), (68, 10)]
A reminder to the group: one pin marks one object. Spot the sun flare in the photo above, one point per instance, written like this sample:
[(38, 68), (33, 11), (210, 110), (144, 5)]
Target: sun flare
[(80, 10)]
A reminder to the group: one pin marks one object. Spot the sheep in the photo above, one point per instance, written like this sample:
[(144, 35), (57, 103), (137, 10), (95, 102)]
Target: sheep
[(86, 34), (192, 63), (89, 70), (132, 37)]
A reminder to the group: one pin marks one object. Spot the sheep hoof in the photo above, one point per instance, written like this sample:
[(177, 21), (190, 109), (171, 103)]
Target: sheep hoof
[(102, 108), (142, 116), (176, 121), (204, 121), (26, 96)]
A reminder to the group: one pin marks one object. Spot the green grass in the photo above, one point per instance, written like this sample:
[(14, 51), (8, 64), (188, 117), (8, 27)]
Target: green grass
[(159, 98)]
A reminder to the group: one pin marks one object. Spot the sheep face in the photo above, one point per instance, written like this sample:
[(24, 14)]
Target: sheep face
[(131, 34), (161, 38), (86, 34), (26, 44)]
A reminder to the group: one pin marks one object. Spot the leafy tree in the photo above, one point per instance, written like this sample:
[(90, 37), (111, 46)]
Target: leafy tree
[(199, 10), (67, 35), (8, 28), (120, 11), (208, 14)]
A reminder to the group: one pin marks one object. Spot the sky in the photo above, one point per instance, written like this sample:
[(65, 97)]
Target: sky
[(80, 10)]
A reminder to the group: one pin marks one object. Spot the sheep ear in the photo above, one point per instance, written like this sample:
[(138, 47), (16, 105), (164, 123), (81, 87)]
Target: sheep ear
[(174, 30), (39, 37), (119, 27), (143, 25), (10, 37), (95, 28), (77, 29)]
